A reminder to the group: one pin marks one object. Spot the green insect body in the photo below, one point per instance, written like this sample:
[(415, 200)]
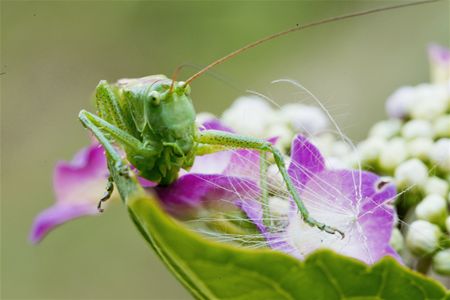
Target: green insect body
[(165, 124)]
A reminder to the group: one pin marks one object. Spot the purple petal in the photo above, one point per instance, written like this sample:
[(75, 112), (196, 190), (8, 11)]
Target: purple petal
[(215, 124), (194, 190), (56, 215), (347, 200), (376, 229), (391, 252), (146, 183), (244, 163), (82, 176), (306, 160), (78, 186), (275, 240)]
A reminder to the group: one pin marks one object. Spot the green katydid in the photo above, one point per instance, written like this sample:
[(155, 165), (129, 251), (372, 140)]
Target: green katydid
[(153, 120)]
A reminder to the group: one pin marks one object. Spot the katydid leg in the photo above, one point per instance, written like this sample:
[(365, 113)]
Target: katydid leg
[(108, 193), (108, 105), (215, 137), (92, 123), (103, 127), (88, 121), (267, 218)]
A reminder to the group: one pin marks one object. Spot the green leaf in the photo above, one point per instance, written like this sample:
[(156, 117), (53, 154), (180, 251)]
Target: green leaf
[(211, 270)]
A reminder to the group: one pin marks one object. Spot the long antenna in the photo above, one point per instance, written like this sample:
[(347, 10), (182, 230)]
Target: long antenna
[(174, 77), (298, 28)]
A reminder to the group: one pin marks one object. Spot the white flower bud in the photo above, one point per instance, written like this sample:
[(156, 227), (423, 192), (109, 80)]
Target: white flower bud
[(370, 149), (436, 185), (335, 163), (423, 238), (279, 207), (441, 262), (417, 128), (274, 178), (432, 102), (412, 172), (305, 118), (440, 154), (386, 129), (399, 104), (397, 241), (340, 149), (352, 161), (393, 154), (441, 126), (433, 209), (203, 117), (324, 142), (249, 115), (420, 147)]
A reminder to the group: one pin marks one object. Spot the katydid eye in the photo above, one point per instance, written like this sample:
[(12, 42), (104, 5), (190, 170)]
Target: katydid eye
[(155, 98)]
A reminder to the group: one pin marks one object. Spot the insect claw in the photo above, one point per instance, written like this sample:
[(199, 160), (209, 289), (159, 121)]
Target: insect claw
[(107, 195), (341, 233), (333, 230), (99, 206), (323, 227)]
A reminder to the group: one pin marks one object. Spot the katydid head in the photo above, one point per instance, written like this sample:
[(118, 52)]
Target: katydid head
[(169, 107), (159, 104)]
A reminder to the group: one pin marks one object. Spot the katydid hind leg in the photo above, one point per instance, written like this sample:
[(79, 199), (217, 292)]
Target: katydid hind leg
[(215, 137), (109, 108)]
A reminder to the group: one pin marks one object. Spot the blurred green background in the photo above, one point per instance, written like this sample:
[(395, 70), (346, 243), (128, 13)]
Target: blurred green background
[(54, 53)]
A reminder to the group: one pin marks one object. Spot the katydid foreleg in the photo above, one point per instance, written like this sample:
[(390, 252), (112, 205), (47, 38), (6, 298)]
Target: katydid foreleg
[(102, 130)]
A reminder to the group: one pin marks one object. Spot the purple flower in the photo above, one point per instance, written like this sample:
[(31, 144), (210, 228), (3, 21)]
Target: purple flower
[(439, 55), (356, 202), (78, 185)]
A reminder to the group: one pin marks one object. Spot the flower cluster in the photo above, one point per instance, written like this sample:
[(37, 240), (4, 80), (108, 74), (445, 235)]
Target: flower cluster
[(411, 148)]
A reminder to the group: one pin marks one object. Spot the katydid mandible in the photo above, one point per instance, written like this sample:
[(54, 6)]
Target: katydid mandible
[(153, 120)]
